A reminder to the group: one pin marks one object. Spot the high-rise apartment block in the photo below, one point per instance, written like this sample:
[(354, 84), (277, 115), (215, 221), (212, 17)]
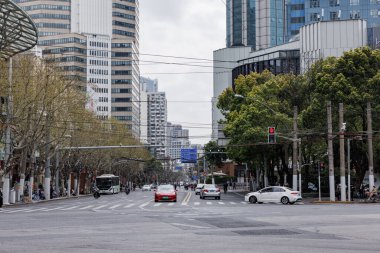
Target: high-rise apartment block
[(157, 122), (177, 138), (97, 43)]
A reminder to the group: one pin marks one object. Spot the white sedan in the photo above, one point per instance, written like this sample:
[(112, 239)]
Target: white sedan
[(146, 187), (274, 194)]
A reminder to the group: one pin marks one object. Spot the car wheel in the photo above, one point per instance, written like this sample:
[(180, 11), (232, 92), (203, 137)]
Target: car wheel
[(219, 197), (285, 200), (155, 200), (252, 199)]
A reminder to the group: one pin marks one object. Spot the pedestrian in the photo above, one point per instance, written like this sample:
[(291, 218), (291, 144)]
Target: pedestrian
[(1, 198), (234, 185)]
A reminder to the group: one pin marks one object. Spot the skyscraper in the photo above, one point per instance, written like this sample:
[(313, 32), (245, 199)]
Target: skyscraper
[(256, 23), (97, 43)]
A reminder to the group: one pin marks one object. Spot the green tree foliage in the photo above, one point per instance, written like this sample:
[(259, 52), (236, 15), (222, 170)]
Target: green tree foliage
[(265, 100)]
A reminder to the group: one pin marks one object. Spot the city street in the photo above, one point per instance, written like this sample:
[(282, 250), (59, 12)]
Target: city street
[(135, 223)]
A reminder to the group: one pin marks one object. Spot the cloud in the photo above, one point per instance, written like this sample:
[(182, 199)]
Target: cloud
[(184, 28)]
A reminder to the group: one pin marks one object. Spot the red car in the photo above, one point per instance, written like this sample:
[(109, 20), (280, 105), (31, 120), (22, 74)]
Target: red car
[(165, 193)]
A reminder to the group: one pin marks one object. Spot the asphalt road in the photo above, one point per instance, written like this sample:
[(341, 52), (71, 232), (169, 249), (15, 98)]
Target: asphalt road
[(135, 223)]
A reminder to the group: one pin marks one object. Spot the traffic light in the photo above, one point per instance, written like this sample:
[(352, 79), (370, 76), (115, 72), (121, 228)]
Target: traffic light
[(271, 135)]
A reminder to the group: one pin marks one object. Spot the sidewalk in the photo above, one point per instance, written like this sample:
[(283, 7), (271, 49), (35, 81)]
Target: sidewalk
[(44, 201)]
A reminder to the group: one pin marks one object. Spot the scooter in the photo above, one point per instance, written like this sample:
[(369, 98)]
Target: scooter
[(96, 193), (127, 190)]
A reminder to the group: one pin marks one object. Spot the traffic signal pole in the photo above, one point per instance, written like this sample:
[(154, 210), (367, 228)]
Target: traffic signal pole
[(295, 157)]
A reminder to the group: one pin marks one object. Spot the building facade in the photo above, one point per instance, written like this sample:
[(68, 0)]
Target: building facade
[(177, 138), (97, 43), (157, 124)]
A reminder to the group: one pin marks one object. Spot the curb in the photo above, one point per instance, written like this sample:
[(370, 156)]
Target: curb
[(43, 201), (342, 202)]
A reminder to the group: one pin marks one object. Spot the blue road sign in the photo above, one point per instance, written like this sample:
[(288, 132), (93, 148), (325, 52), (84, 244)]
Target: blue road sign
[(178, 168), (188, 155)]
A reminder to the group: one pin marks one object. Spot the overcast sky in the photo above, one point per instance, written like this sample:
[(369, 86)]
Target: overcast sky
[(183, 28)]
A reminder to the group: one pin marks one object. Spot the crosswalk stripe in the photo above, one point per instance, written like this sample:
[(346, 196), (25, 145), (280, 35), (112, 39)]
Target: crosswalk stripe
[(196, 203), (170, 204), (130, 205), (16, 211), (33, 210), (221, 203), (144, 205), (86, 207), (96, 208), (70, 208), (208, 203), (243, 202), (51, 209), (157, 204), (113, 207), (232, 203)]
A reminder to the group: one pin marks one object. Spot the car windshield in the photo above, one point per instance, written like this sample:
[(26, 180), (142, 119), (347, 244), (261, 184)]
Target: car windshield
[(209, 186), (165, 188), (199, 186)]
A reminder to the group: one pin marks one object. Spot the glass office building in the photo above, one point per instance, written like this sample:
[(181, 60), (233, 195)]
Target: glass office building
[(301, 12), (241, 23)]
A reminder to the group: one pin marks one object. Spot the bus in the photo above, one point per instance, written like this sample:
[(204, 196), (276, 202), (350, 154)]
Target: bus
[(108, 183)]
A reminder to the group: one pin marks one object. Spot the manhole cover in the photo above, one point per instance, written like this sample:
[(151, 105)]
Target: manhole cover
[(266, 232), (232, 223)]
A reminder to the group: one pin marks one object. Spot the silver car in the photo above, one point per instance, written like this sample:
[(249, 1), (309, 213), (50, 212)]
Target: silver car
[(198, 189), (210, 190)]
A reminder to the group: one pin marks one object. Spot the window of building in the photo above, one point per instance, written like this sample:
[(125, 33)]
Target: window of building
[(334, 15), (334, 3), (314, 3), (355, 14), (314, 16), (357, 2)]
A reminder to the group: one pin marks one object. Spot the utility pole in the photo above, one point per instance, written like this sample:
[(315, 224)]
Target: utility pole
[(47, 161), (370, 147), (330, 152), (348, 169), (295, 157), (8, 143), (300, 168), (341, 155)]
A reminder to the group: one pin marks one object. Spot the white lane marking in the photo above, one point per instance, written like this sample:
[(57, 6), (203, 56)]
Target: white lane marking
[(70, 208), (32, 210), (171, 204), (16, 211), (186, 199), (144, 205), (243, 202), (113, 207), (221, 203), (157, 204), (187, 225), (196, 203), (51, 209), (208, 203), (96, 208), (232, 203), (86, 207), (130, 205)]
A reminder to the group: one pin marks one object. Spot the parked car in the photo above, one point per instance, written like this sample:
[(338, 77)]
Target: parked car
[(198, 188), (210, 190), (146, 187), (165, 192), (274, 194)]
